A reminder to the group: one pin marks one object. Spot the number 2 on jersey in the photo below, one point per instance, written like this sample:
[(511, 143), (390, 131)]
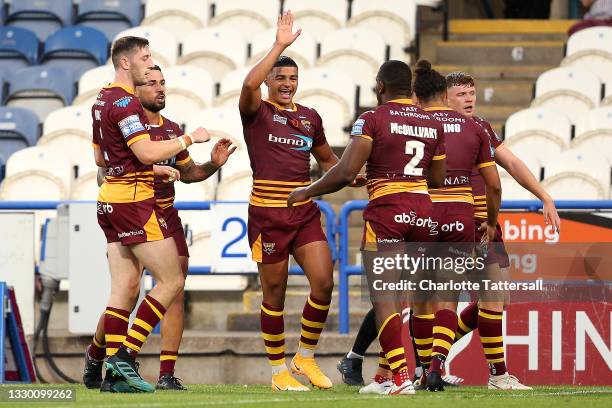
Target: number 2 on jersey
[(417, 149)]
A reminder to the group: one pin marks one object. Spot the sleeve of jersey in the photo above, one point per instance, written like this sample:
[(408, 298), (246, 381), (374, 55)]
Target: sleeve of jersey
[(495, 140), (364, 127), (440, 152), (131, 121), (183, 157), (485, 152)]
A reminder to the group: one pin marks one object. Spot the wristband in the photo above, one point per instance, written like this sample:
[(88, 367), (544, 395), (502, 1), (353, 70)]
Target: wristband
[(190, 142), (182, 142)]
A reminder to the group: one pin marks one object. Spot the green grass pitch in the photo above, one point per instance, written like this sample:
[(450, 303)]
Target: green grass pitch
[(339, 397)]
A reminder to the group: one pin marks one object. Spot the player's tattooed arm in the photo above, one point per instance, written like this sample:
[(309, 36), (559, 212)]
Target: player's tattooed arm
[(250, 95), (192, 172), (521, 173), (341, 175)]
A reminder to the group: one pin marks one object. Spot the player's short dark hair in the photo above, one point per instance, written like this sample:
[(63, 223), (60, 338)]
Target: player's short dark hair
[(396, 76), (125, 45), (285, 61), (459, 78), (156, 68), (428, 83)]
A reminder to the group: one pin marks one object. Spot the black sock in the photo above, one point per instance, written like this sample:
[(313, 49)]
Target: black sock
[(366, 335)]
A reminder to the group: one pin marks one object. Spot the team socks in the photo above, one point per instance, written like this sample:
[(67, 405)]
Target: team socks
[(313, 321), (167, 360), (148, 315), (467, 320), (422, 332), (390, 339), (443, 337), (116, 323), (490, 329), (273, 333)]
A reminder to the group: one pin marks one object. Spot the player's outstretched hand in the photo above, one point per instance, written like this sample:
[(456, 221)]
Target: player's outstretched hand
[(360, 181), (490, 231), (221, 152), (297, 196), (284, 29), (200, 135), (550, 215), (166, 173)]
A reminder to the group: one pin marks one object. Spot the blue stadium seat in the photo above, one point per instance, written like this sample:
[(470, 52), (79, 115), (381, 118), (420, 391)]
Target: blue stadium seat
[(42, 17), (76, 48), (110, 17), (40, 89), (18, 47), (18, 129)]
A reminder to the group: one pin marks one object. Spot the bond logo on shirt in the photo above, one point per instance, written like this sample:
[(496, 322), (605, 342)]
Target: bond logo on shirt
[(280, 119), (358, 127), (130, 125), (303, 143), (269, 247), (123, 102)]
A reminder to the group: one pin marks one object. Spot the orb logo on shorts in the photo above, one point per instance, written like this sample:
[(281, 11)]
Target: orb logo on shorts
[(269, 247), (105, 208), (453, 226), (412, 219)]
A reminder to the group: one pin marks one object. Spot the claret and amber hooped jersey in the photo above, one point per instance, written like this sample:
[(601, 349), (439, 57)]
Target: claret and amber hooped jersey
[(478, 185), (118, 122), (279, 142), (405, 139), (467, 148), (167, 130)]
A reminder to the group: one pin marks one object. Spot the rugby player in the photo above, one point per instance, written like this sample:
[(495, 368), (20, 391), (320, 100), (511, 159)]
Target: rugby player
[(403, 149), (152, 96), (486, 315), (280, 136), (134, 225)]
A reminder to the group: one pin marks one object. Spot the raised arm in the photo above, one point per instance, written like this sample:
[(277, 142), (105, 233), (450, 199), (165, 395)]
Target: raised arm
[(250, 95)]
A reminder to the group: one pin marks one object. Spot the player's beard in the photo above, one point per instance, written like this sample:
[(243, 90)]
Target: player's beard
[(153, 107)]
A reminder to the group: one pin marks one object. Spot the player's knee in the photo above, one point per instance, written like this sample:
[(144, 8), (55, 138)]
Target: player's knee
[(324, 288)]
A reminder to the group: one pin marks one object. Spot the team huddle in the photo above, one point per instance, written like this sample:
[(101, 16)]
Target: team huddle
[(424, 151)]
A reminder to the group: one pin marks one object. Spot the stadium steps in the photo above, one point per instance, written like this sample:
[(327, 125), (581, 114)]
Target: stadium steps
[(209, 357), (294, 300), (249, 321), (491, 72), (509, 30), (502, 52)]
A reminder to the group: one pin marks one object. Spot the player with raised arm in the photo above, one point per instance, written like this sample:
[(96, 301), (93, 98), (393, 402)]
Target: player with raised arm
[(133, 224), (467, 148), (280, 136), (152, 96), (486, 315), (402, 147)]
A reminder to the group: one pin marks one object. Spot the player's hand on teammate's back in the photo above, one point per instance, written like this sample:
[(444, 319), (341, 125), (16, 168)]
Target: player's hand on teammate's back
[(490, 231), (551, 217), (297, 196), (284, 30), (200, 135), (166, 173), (221, 152), (360, 181)]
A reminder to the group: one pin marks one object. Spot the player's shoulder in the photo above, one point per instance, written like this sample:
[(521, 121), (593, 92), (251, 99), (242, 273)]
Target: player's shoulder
[(171, 125), (306, 110)]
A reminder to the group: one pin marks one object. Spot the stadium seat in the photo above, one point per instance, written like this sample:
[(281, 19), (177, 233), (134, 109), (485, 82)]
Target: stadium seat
[(247, 17), (590, 49), (318, 17), (511, 189), (189, 89), (85, 187), (577, 174), (110, 17), (303, 50), (180, 17), (163, 44), (33, 185), (40, 159), (231, 86), (238, 162), (538, 130), (593, 132), (75, 48), (68, 130), (332, 94), (91, 82), (236, 187), (217, 50), (394, 20), (18, 48), (607, 99), (18, 130), (358, 52), (42, 17), (569, 90), (40, 89)]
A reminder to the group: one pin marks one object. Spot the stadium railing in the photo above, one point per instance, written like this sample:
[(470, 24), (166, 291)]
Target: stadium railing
[(326, 209), (346, 269)]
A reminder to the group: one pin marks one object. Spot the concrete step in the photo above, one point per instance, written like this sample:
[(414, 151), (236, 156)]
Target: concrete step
[(508, 27), (504, 92), (295, 299), (512, 53), (249, 321), (210, 357), (485, 72), (496, 113)]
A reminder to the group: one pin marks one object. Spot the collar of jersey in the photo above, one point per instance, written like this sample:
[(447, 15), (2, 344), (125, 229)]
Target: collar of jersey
[(403, 101), (160, 123), (431, 108), (293, 107), (118, 85)]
